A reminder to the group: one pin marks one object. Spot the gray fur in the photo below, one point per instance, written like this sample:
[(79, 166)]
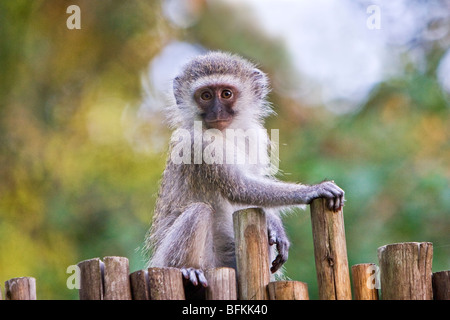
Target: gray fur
[(196, 201), (216, 65)]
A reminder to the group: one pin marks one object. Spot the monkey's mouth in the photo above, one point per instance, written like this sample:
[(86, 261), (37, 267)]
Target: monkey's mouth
[(217, 124)]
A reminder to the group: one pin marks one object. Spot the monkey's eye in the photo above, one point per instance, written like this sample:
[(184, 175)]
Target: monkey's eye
[(226, 94), (206, 95)]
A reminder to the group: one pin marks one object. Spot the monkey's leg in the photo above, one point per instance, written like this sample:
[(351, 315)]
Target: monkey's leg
[(277, 236), (188, 244)]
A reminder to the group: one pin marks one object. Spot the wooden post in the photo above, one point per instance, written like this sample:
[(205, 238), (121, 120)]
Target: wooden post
[(288, 290), (330, 252), (20, 289), (221, 284), (91, 279), (364, 281), (139, 285), (405, 271), (116, 282), (441, 285), (166, 284), (252, 253)]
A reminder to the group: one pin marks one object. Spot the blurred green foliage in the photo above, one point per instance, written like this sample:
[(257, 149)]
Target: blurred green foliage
[(72, 187)]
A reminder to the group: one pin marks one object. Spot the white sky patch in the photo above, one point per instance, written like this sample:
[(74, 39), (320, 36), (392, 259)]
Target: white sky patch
[(330, 44), (443, 72), (339, 58)]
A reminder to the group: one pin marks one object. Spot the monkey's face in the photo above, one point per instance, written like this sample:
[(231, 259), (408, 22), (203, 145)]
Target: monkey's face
[(216, 104)]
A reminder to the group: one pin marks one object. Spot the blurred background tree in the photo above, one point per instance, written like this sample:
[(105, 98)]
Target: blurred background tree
[(82, 138)]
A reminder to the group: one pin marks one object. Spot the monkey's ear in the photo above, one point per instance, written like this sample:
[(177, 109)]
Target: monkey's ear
[(261, 83), (258, 74), (260, 77)]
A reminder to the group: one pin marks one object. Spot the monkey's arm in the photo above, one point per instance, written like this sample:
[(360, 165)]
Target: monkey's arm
[(265, 192)]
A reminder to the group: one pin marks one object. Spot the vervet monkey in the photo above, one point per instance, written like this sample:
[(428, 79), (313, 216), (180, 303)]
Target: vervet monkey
[(192, 225)]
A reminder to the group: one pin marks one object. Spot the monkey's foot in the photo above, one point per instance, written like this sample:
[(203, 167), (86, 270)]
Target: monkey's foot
[(195, 276)]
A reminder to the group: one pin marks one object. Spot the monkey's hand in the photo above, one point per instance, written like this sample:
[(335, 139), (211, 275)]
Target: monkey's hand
[(195, 276), (278, 236), (331, 192)]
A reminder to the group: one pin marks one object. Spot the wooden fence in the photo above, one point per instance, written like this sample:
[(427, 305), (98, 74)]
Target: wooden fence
[(405, 271)]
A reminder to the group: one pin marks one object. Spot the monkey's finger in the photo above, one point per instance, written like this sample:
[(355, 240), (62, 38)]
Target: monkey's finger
[(339, 193), (343, 201), (340, 202), (332, 187), (335, 190), (189, 274), (337, 204), (281, 258), (330, 204), (283, 249), (276, 264), (201, 278), (185, 273), (329, 199), (326, 193), (193, 276)]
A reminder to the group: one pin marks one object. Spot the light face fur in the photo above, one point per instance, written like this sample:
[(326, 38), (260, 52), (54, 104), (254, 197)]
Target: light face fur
[(192, 224)]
